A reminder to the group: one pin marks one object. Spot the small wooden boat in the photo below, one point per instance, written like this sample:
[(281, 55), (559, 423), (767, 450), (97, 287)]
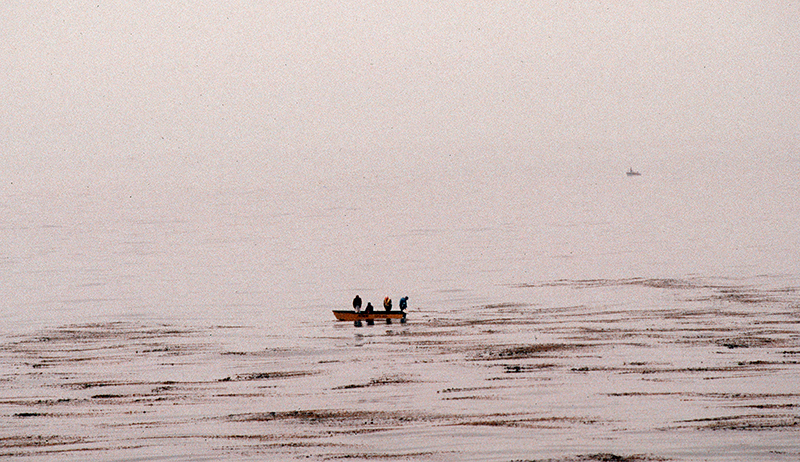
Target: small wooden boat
[(350, 315), (632, 172)]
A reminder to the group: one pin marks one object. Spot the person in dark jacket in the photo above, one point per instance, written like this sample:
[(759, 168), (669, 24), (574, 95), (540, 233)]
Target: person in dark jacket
[(403, 307), (357, 304), (369, 310)]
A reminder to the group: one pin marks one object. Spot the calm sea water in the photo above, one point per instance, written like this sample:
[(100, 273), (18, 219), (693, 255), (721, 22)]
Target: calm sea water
[(555, 310), (270, 248)]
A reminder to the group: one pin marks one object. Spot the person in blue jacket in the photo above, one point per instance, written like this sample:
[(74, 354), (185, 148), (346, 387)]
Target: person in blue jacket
[(403, 307)]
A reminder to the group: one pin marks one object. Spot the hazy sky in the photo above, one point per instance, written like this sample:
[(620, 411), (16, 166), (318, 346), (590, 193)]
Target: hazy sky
[(113, 89)]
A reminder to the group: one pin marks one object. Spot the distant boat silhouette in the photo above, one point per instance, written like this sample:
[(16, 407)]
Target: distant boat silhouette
[(631, 172)]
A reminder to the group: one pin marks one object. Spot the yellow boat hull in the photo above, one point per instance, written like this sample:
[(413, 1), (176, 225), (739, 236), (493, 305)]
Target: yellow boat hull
[(347, 315)]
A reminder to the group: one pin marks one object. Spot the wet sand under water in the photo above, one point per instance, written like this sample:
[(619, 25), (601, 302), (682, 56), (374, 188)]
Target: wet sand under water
[(610, 370)]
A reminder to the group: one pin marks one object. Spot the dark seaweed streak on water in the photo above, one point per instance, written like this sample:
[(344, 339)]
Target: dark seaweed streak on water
[(717, 359)]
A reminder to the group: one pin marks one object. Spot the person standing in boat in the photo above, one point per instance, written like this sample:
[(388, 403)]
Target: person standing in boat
[(387, 304), (369, 310), (357, 309)]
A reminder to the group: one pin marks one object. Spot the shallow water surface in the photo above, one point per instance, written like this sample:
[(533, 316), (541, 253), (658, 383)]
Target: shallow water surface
[(641, 369), (552, 317)]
